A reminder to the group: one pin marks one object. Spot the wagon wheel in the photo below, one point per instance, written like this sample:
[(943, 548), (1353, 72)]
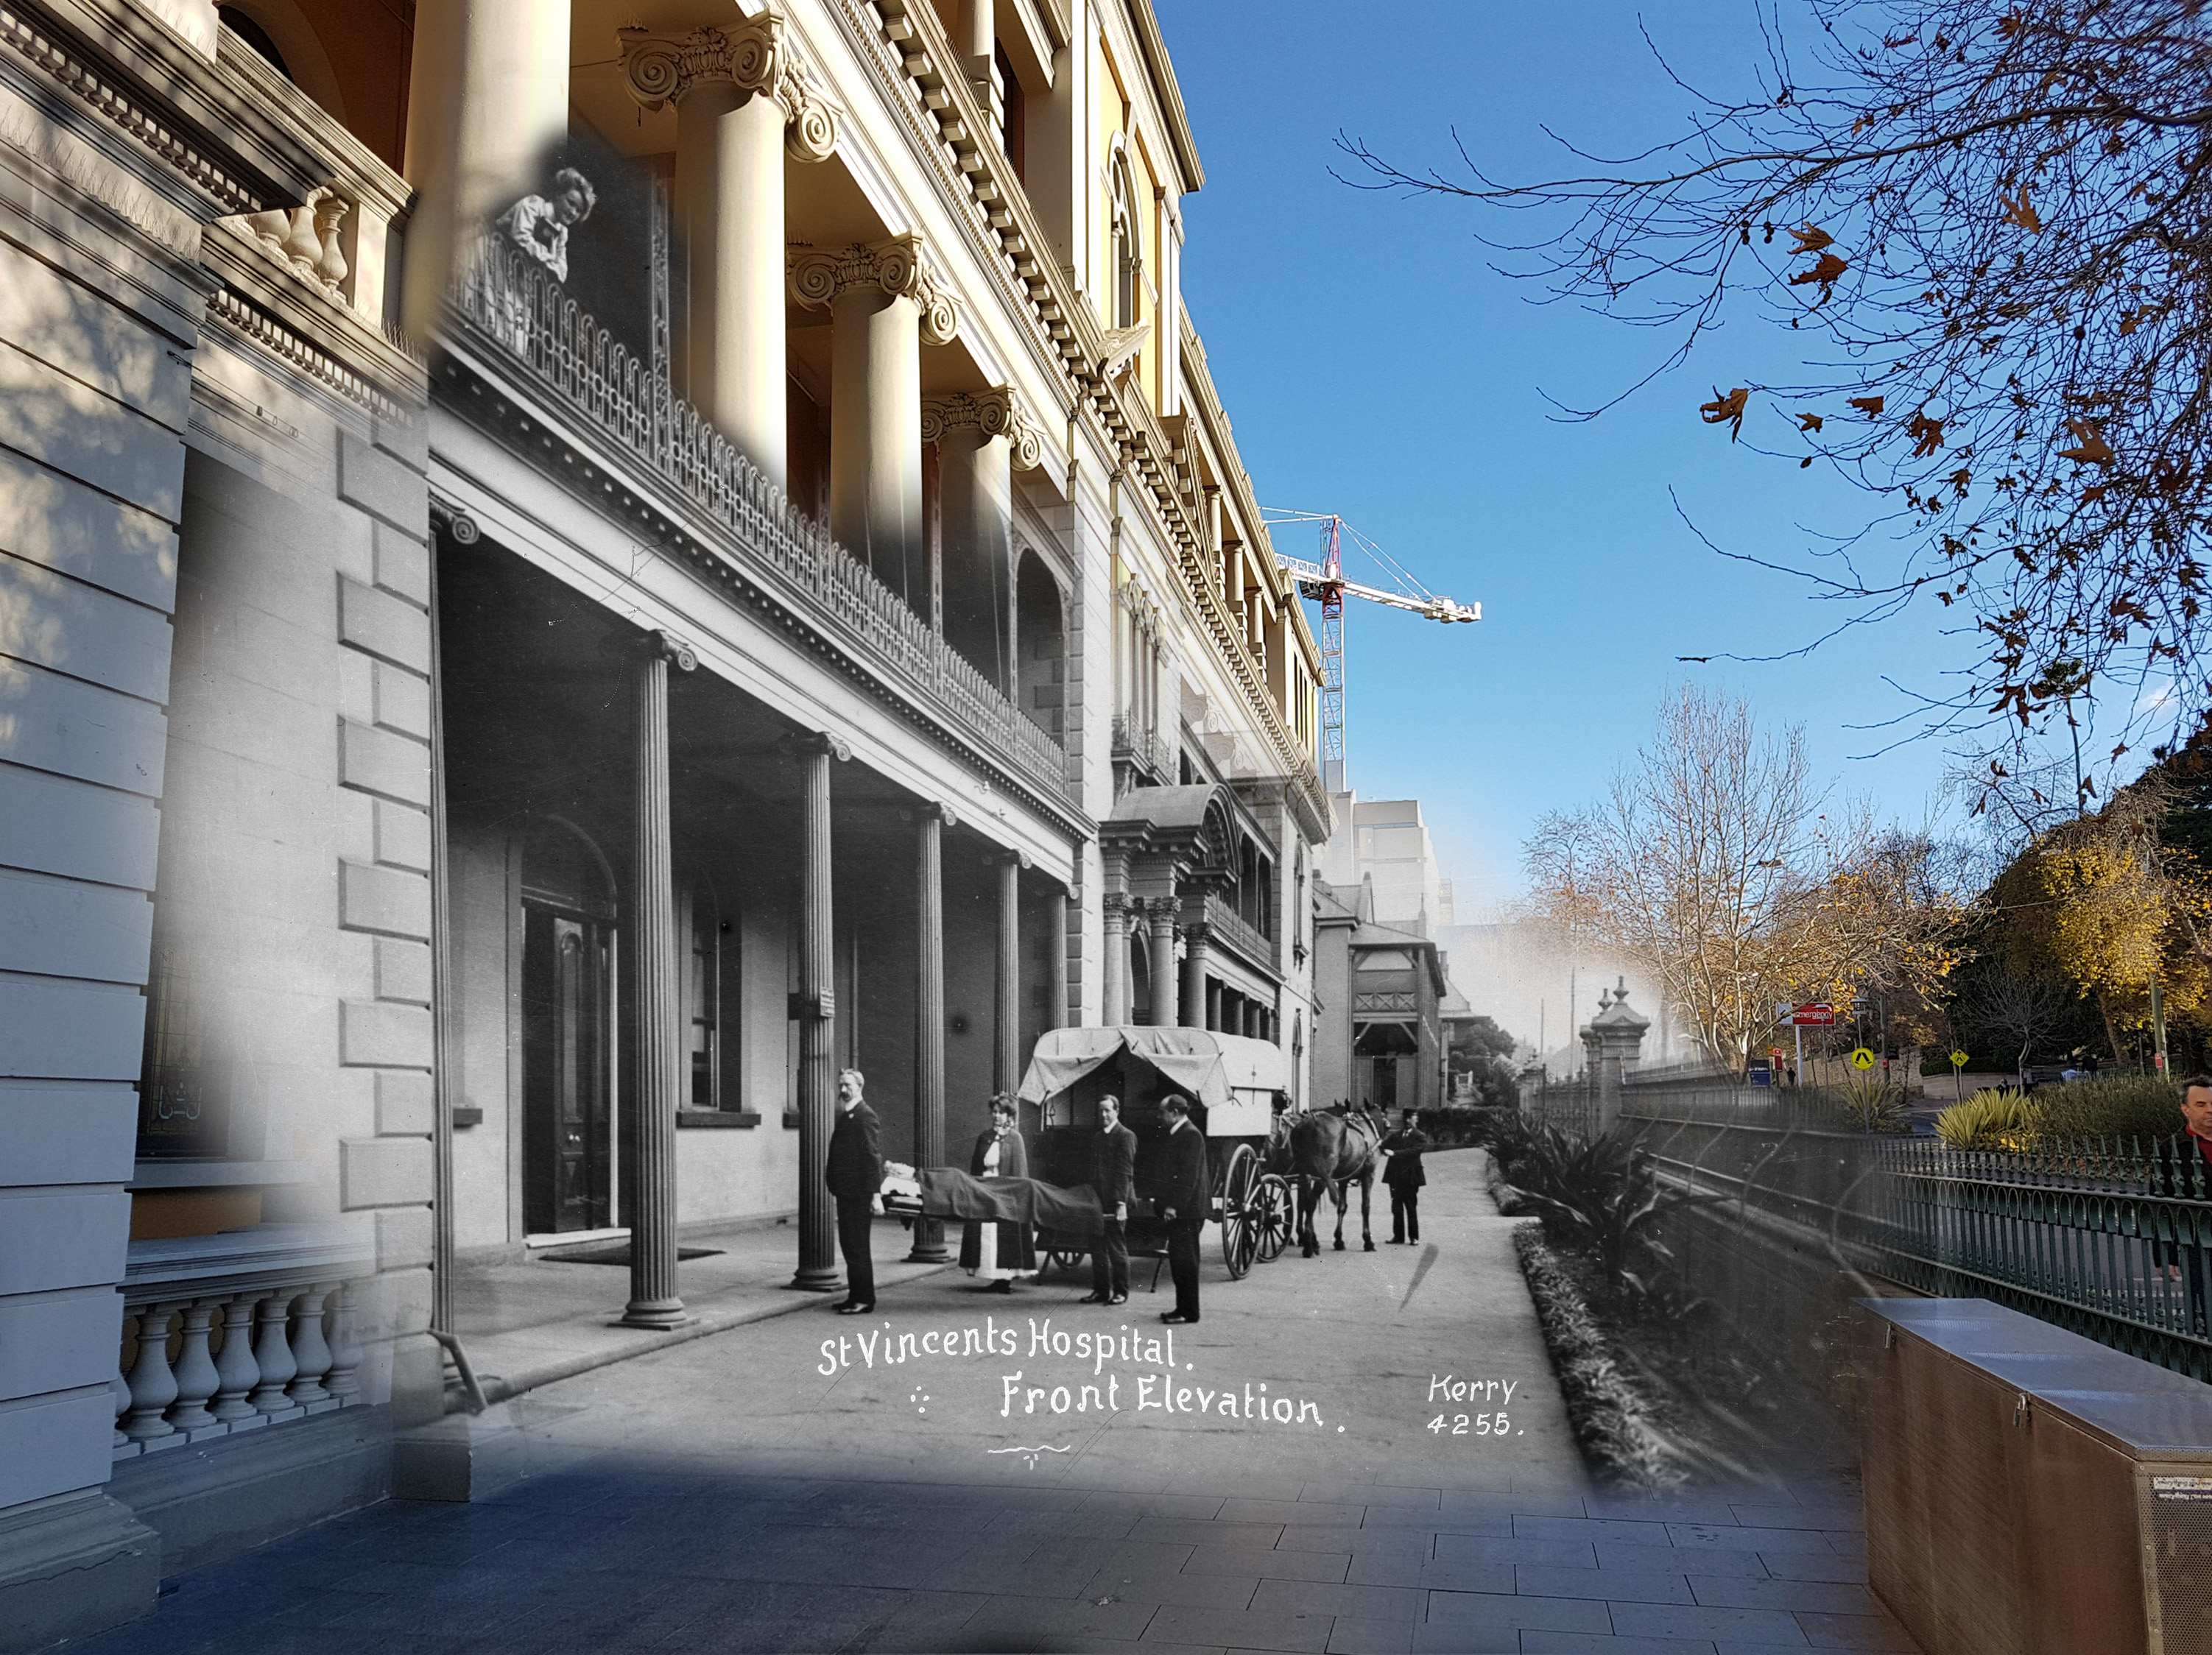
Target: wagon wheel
[(1240, 1237), (1066, 1260), (1275, 1216)]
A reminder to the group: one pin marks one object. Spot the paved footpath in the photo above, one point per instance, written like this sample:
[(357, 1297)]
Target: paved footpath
[(789, 1485)]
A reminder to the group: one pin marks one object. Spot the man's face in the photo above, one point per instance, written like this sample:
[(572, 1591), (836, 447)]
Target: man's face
[(2196, 1110), (848, 1091), (1110, 1113)]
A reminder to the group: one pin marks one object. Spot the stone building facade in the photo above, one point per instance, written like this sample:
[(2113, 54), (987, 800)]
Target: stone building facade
[(567, 571)]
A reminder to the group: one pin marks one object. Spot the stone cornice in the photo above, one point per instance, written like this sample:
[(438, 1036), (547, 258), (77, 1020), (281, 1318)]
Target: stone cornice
[(899, 266), (755, 56), (995, 413), (310, 332)]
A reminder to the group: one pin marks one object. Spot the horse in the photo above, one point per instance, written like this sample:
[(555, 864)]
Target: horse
[(1330, 1148)]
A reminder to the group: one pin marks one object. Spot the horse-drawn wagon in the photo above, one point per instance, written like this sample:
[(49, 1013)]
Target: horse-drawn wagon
[(1239, 1088)]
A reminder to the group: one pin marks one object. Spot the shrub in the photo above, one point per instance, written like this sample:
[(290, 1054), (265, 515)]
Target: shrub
[(1873, 1105), (1600, 1193), (1990, 1120), (2131, 1105)]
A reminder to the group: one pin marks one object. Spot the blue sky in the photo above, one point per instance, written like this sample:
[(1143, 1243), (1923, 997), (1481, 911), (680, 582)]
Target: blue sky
[(1374, 365)]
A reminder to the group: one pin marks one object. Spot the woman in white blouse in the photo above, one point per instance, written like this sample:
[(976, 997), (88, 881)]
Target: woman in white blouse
[(1010, 1248)]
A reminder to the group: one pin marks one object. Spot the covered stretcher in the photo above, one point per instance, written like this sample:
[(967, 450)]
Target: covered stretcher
[(1026, 1202)]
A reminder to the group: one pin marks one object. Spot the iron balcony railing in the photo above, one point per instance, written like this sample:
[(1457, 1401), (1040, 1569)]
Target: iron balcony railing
[(1143, 745), (1234, 930), (512, 303)]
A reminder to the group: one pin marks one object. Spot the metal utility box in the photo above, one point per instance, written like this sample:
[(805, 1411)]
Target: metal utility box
[(2031, 1492)]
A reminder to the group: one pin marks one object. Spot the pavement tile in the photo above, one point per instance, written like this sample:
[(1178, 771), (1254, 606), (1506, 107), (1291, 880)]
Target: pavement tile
[(1023, 1623), (1089, 1524), (1547, 1503), (1704, 1560), (1290, 1511), (1621, 1585), (1274, 1564), (1647, 1508), (1076, 1560), (1486, 1612), (1386, 1568), (1466, 1641), (1855, 1632), (1589, 1528), (1126, 1646), (1773, 1516), (1371, 1493), (1725, 1536), (1351, 1635), (1325, 1597), (1594, 1643), (1177, 1530), (1240, 1628), (1807, 1566), (1443, 1575), (1677, 1620), (1485, 1548), (1196, 1507), (1848, 1544), (1832, 1598), (1395, 1541), (1163, 1586)]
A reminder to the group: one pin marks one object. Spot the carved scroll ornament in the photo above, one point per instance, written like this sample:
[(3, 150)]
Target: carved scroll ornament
[(994, 413), (819, 275), (753, 56)]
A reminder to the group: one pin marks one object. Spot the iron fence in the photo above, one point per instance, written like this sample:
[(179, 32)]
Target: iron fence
[(2111, 1240)]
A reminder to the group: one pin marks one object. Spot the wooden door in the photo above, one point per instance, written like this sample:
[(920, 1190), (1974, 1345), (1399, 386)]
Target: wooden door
[(568, 1025)]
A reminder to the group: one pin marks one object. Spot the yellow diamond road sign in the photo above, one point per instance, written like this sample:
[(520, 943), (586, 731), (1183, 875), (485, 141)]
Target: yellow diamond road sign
[(1958, 1060), (1862, 1059)]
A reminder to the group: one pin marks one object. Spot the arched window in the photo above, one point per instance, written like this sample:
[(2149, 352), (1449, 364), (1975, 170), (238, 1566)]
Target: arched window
[(1128, 257)]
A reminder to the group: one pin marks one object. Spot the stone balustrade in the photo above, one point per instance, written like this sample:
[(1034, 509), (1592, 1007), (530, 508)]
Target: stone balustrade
[(336, 239), (232, 1333)]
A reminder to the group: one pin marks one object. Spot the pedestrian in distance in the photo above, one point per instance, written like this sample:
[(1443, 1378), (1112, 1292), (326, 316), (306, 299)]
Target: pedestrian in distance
[(855, 1172), (1183, 1195), (1113, 1179), (2193, 1173), (999, 1252), (1403, 1177)]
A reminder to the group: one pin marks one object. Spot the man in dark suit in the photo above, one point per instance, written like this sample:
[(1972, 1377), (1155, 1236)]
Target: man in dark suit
[(855, 1172), (1403, 1177), (1184, 1196), (1113, 1169)]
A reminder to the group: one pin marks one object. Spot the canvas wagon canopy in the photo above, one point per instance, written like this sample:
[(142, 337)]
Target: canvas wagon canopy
[(1210, 1067)]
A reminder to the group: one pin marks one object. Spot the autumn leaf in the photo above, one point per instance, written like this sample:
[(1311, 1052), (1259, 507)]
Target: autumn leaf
[(2011, 26), (1927, 435), (1870, 406), (2091, 495), (1810, 240), (2094, 450), (1825, 273), (2020, 212), (1726, 411), (1808, 422)]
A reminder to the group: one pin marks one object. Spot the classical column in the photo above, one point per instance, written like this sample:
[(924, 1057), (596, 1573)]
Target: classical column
[(982, 438), (488, 98), (1055, 1012), (1193, 977), (1162, 912), (1009, 1065), (883, 303), (743, 101), (656, 998), (1113, 967), (817, 1013), (929, 1019)]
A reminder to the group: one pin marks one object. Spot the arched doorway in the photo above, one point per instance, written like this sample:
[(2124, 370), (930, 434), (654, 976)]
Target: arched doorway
[(568, 1031)]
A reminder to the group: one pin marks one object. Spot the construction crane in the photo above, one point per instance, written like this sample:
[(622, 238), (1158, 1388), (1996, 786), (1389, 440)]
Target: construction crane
[(1324, 583)]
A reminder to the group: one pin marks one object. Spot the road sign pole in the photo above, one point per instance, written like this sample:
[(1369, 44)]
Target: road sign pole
[(1798, 1074)]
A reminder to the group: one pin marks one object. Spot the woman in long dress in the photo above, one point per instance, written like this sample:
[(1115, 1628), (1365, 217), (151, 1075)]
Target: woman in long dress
[(997, 1253)]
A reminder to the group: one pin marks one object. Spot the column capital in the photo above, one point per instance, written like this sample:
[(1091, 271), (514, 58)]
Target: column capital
[(755, 56), (899, 266), (651, 646), (996, 413), (944, 813), (1008, 858), (810, 743)]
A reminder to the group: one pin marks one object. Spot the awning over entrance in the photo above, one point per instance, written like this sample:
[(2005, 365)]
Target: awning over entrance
[(1210, 1067)]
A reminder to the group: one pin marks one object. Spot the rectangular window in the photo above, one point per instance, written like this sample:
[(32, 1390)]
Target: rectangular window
[(712, 984)]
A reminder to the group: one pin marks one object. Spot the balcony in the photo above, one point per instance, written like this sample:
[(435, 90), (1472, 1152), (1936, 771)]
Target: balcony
[(1233, 932), (1144, 747), (521, 313)]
